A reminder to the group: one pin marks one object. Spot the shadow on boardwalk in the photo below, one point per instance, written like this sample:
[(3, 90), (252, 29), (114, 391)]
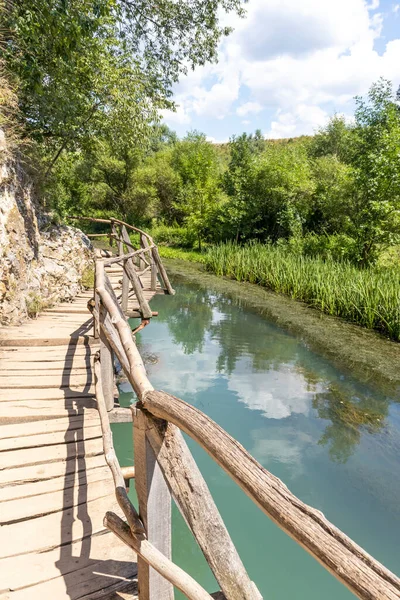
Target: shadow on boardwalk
[(86, 571)]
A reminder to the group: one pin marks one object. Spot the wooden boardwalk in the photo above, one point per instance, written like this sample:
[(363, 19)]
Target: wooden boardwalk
[(55, 486)]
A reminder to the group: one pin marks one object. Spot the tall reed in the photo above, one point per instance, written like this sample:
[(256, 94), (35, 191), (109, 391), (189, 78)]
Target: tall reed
[(369, 297)]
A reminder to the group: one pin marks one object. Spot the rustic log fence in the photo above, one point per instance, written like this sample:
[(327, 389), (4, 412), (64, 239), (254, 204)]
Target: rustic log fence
[(165, 469)]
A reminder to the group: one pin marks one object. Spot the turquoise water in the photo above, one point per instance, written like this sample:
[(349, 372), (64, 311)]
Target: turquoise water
[(333, 441)]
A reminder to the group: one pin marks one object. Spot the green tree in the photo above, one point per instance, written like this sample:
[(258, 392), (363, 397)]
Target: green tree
[(86, 66), (330, 210), (239, 185), (196, 162), (283, 190), (336, 138), (376, 215)]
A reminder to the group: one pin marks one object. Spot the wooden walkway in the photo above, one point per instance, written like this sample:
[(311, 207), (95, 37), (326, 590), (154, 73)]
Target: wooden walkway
[(55, 486)]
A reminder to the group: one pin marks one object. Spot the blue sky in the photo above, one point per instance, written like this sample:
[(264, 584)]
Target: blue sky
[(288, 66)]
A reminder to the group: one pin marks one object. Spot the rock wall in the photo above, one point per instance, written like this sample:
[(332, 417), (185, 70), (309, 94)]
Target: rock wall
[(41, 262)]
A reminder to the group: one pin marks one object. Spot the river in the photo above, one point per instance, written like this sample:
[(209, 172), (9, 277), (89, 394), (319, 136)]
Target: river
[(332, 439)]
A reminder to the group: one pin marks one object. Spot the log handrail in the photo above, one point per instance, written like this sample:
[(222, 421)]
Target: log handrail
[(147, 246), (165, 415), (109, 222), (351, 564)]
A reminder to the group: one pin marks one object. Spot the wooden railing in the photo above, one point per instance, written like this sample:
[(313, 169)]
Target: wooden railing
[(165, 469), (146, 257)]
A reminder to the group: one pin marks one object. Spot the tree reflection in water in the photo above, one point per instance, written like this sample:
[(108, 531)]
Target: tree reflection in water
[(349, 416), (196, 314)]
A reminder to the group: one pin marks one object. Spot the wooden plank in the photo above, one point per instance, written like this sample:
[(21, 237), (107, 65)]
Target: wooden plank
[(43, 361), (359, 571), (55, 484), (18, 369), (66, 310), (49, 439), (153, 493), (96, 580), (24, 340), (23, 352), (66, 379), (14, 411), (60, 452), (79, 392), (120, 415), (18, 510), (36, 326), (89, 419), (50, 531), (42, 471), (62, 318), (19, 572)]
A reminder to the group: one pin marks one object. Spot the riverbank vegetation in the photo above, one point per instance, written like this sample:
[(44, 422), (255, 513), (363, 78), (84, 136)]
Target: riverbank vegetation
[(369, 297)]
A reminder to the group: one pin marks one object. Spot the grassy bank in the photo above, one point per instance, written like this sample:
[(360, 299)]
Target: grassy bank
[(369, 297), (182, 254)]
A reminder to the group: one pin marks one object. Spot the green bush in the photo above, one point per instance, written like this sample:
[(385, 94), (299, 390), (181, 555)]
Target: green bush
[(189, 255), (174, 236), (87, 279), (34, 304), (336, 247)]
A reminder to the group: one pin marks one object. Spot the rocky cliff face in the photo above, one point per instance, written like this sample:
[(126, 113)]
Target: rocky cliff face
[(41, 262)]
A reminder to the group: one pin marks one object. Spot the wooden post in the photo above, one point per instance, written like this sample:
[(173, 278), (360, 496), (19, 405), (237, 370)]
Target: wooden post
[(125, 290), (107, 365), (162, 271), (154, 509), (153, 264), (119, 244), (143, 243), (136, 283), (153, 273), (96, 324)]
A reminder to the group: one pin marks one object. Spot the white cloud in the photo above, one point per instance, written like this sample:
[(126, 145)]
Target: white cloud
[(245, 122), (213, 140), (249, 107), (178, 117), (396, 8), (283, 445), (288, 27), (217, 101), (300, 60), (292, 123), (276, 393)]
